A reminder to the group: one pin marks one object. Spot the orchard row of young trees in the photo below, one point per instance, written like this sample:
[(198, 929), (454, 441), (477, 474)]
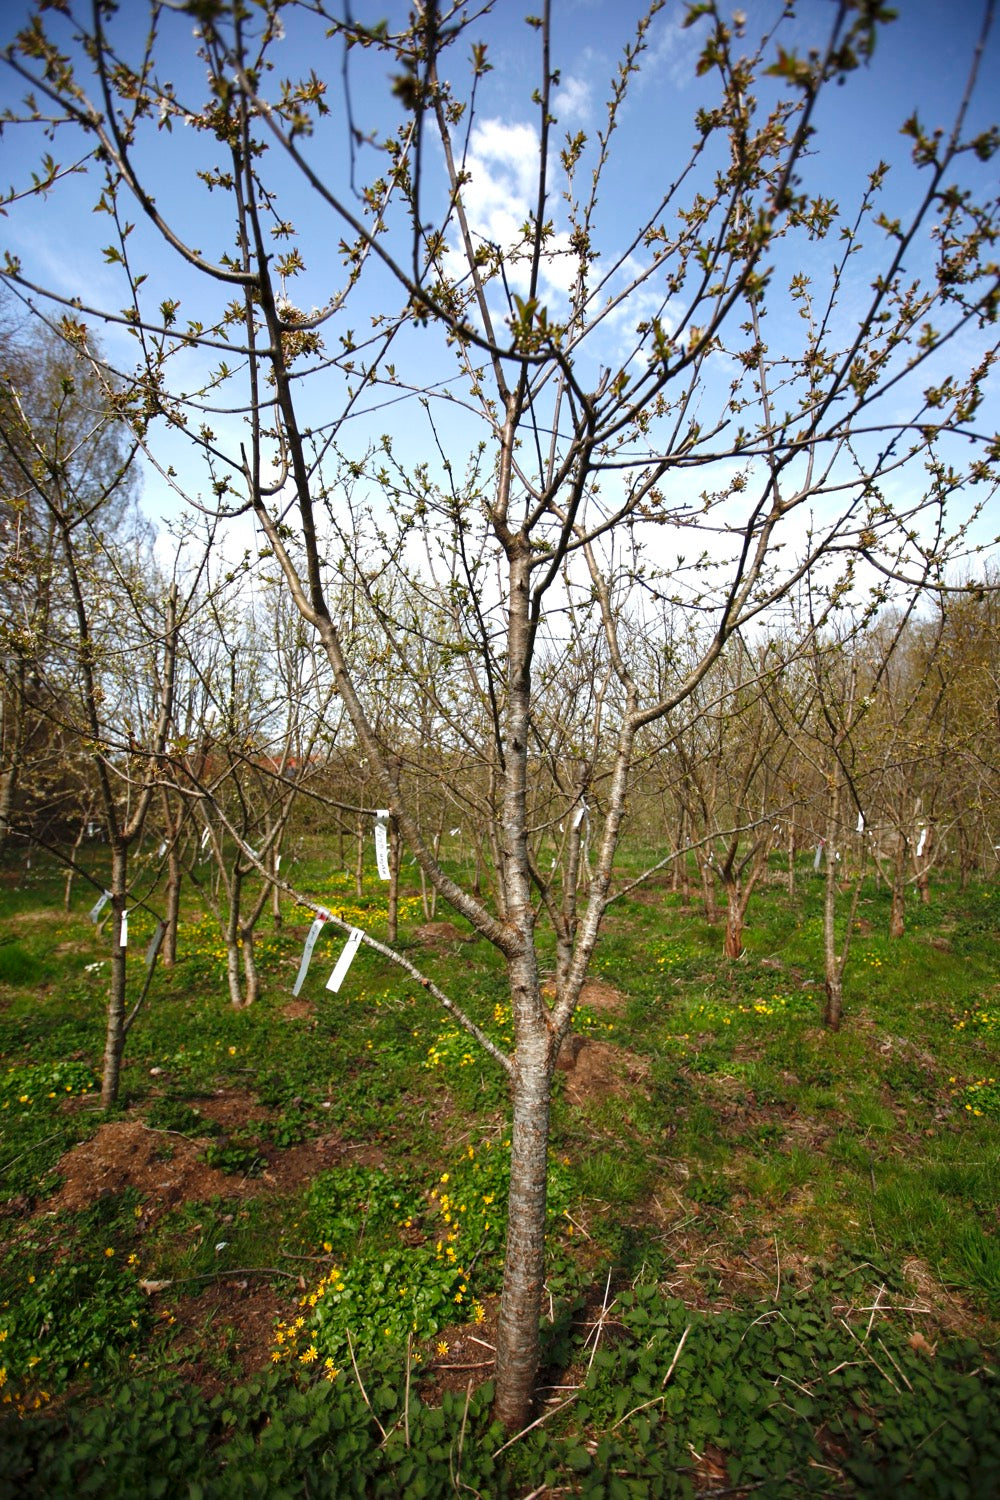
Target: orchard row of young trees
[(556, 513), (195, 715)]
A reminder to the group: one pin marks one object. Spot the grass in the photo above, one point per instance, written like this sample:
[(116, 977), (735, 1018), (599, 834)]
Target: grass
[(731, 1168)]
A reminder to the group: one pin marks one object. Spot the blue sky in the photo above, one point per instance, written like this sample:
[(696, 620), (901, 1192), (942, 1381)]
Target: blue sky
[(921, 63)]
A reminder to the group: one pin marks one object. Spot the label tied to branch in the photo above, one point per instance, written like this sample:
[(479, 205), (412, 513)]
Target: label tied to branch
[(204, 839), (162, 850), (345, 960), (861, 822), (123, 938), (153, 947), (382, 842), (819, 855), (277, 863), (99, 905), (307, 953), (583, 811), (923, 840)]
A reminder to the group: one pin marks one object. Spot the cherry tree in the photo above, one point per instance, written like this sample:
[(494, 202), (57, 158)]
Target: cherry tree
[(734, 384)]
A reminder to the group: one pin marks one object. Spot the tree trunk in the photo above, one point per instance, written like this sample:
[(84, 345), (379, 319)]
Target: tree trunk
[(173, 904), (71, 867), (12, 748), (395, 852), (250, 975), (276, 917), (359, 860), (233, 941), (735, 912), (708, 891), (114, 1038), (923, 864), (171, 832), (524, 1263), (831, 961), (791, 857), (897, 914)]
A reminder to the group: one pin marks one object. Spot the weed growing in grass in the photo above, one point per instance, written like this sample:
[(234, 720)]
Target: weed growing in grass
[(81, 1310), (411, 1270), (32, 1085), (980, 1097), (983, 1020)]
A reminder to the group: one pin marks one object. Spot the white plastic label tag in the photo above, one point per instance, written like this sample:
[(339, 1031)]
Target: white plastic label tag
[(154, 944), (307, 953), (99, 905), (382, 842), (123, 939), (345, 960)]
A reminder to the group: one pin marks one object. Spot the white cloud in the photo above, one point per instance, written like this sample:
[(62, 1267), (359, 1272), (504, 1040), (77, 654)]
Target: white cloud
[(502, 163), (572, 102)]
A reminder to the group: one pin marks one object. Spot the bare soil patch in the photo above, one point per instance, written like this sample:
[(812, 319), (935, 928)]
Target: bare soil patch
[(232, 1320), (595, 993), (161, 1165), (439, 934), (298, 1010), (165, 1168), (599, 1070)]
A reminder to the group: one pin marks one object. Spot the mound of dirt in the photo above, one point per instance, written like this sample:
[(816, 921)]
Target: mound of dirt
[(595, 993), (162, 1166), (598, 1070), (166, 1169), (439, 934)]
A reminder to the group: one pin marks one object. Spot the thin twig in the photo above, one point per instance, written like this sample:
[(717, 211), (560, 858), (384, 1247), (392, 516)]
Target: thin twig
[(662, 1397), (677, 1353), (28, 1150), (237, 1271), (870, 1355), (777, 1290), (532, 1425), (896, 1367), (874, 1309), (361, 1388)]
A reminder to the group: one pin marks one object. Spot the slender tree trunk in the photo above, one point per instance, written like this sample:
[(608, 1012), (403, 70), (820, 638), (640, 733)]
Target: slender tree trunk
[(114, 1037), (395, 852), (13, 738), (831, 960), (251, 975), (735, 913), (359, 860), (791, 856), (524, 1264), (897, 913), (276, 917), (233, 943), (71, 867), (172, 915), (171, 832), (708, 891), (923, 864)]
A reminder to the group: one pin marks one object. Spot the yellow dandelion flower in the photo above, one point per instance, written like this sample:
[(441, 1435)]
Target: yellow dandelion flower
[(442, 1347)]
